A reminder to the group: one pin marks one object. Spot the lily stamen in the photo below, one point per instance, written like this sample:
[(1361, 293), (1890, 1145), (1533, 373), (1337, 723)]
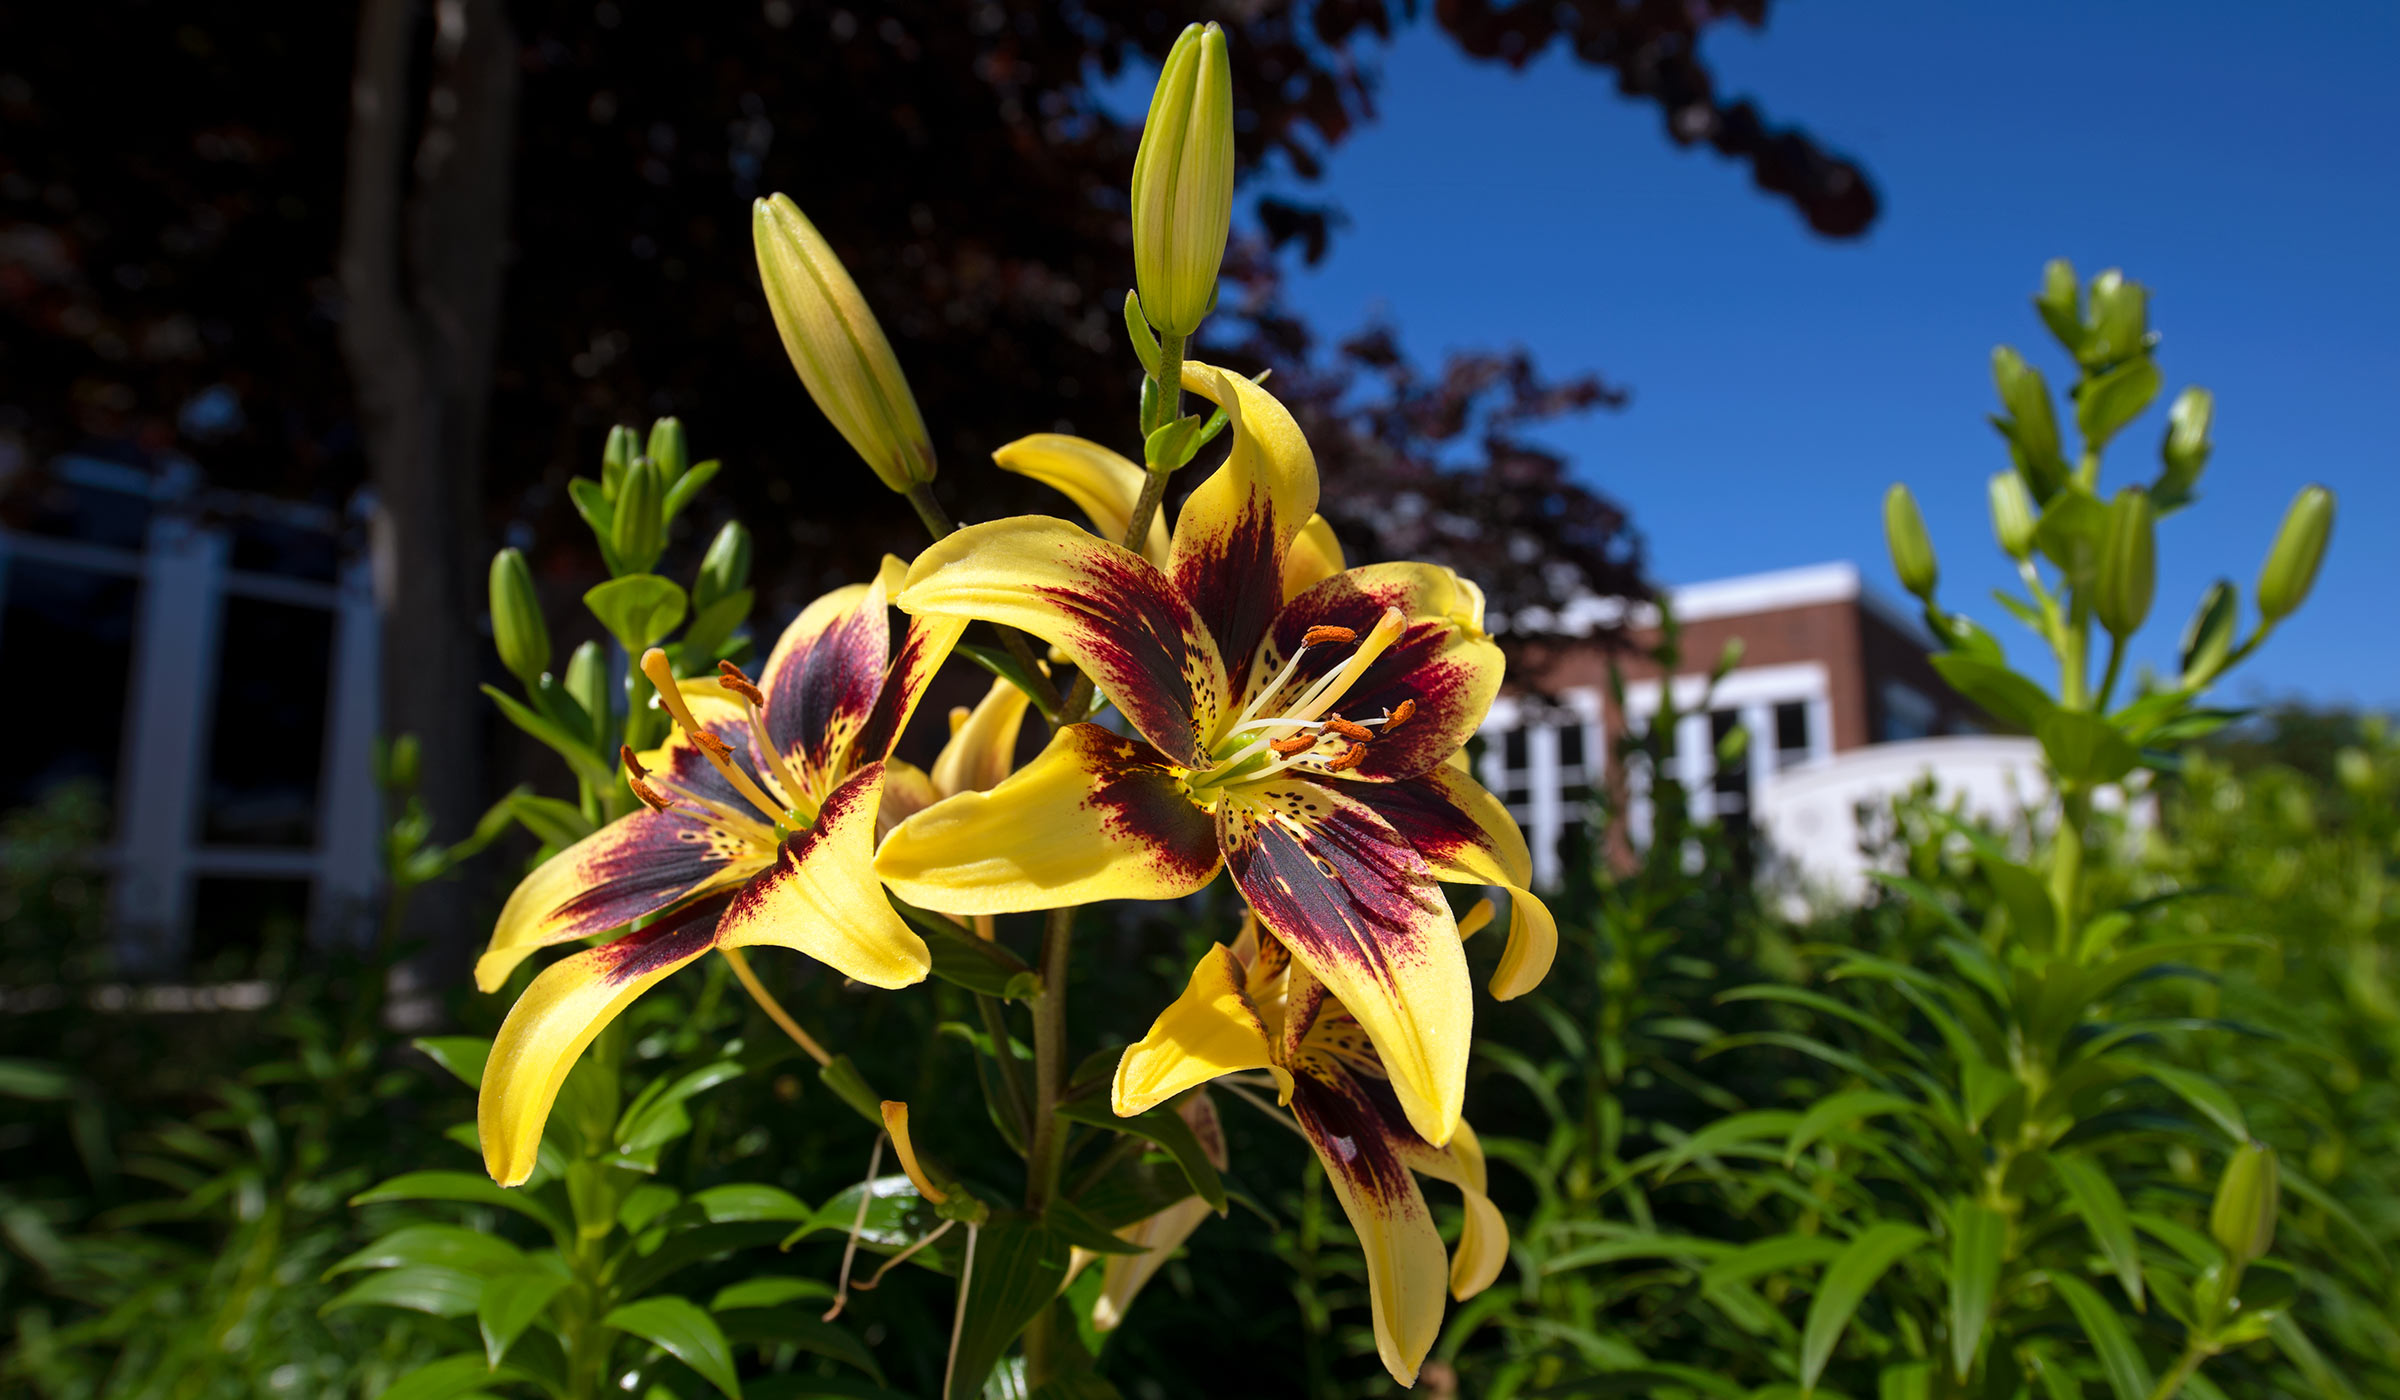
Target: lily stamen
[(754, 702), (1304, 715), (636, 777), (718, 752)]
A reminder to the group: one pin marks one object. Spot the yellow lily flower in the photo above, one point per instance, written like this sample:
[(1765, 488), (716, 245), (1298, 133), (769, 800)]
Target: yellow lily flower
[(1304, 744), (1255, 1006), (758, 826)]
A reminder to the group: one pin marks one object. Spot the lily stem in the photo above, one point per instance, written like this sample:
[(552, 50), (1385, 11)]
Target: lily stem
[(774, 1009), (1044, 1153), (939, 525)]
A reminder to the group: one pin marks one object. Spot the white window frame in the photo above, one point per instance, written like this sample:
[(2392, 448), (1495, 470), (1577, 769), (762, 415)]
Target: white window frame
[(1754, 692), (1544, 814), (157, 855)]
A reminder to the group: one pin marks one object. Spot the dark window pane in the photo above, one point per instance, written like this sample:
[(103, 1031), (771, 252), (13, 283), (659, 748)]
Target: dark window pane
[(282, 547), (240, 921), (1574, 845), (273, 676), (81, 511), (68, 625), (1791, 726), (1570, 744), (1512, 748)]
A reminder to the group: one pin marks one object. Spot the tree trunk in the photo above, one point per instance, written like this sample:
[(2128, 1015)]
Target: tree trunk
[(425, 222)]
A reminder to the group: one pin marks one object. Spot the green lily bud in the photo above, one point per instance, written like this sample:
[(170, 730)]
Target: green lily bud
[(398, 763), (2128, 574), (837, 346), (2031, 426), (2208, 637), (2120, 320), (1912, 551), (587, 684), (2291, 568), (2243, 1218), (2060, 302), (622, 448), (518, 632), (639, 531), (2186, 449), (2012, 514), (725, 569), (669, 449), (1183, 183)]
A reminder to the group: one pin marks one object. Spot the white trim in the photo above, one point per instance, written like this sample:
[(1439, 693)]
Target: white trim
[(1545, 813)]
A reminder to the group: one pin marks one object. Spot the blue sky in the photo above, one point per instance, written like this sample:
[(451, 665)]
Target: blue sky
[(2244, 167)]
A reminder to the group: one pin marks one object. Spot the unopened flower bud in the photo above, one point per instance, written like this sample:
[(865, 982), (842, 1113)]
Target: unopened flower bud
[(2120, 319), (639, 530), (2208, 637), (2060, 302), (837, 346), (2186, 449), (588, 685), (1912, 551), (2012, 514), (725, 569), (518, 631), (2291, 568), (669, 450), (622, 448), (1183, 183), (2243, 1218), (2128, 573)]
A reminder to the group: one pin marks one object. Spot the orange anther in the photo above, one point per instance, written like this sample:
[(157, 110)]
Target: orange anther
[(1298, 743), (651, 797), (1351, 757), (632, 765), (1319, 636), (1357, 733), (1399, 715), (710, 744)]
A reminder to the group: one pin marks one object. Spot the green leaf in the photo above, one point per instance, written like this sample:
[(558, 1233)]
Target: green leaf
[(2025, 895), (578, 755), (1137, 330), (2103, 1210), (851, 1087), (2003, 694), (552, 822), (446, 1379), (686, 1333), (2120, 1360), (425, 1288), (745, 1201), (688, 485), (1161, 1125), (2073, 525), (461, 1186), (637, 609), (1757, 1125), (1844, 1286), (1069, 1223), (767, 1291), (2084, 748), (656, 1116), (896, 1215), (977, 964), (444, 1246), (1017, 1267), (713, 625), (1977, 1234), (510, 1304), (462, 1055), (2103, 406), (800, 1327), (592, 503), (1776, 1254), (1005, 666), (36, 1081), (1172, 444), (1841, 1110), (2206, 1095)]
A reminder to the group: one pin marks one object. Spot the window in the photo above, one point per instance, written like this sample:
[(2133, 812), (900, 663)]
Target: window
[(268, 739), (1544, 766), (1729, 786), (1908, 713), (63, 622), (1792, 744)]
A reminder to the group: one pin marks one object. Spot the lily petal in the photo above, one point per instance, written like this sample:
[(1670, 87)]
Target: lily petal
[(1364, 1143), (1483, 1237), (1104, 485), (1442, 662), (1211, 1030), (1124, 1274), (822, 898), (1236, 527), (923, 649), (1109, 609), (631, 868), (822, 681), (1468, 838), (907, 790), (1093, 816), (1355, 902), (571, 1002), (983, 749), (1316, 555)]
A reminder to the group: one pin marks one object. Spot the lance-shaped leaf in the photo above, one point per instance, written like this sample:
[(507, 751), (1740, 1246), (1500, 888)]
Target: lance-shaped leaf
[(1844, 1286)]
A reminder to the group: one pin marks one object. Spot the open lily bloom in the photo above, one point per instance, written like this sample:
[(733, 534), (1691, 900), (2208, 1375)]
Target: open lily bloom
[(1255, 1007), (1302, 744), (758, 826)]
